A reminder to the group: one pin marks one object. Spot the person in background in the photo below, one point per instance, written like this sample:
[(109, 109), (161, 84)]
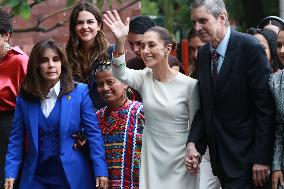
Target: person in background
[(268, 40), (280, 47), (122, 124), (87, 46), (273, 23), (194, 44), (170, 101), (50, 108), (207, 179), (13, 67), (276, 86), (237, 113)]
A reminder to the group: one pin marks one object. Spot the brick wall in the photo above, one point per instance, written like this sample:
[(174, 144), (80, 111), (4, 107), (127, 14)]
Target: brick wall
[(28, 39)]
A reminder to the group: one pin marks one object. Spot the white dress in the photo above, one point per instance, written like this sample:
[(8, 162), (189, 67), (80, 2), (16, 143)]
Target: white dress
[(169, 109)]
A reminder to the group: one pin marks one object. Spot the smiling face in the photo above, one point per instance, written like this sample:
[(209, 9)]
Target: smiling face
[(50, 67), (280, 46), (153, 49), (86, 27), (110, 90)]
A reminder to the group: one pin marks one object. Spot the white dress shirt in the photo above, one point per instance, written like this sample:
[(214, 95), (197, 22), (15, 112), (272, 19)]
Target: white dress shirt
[(47, 104)]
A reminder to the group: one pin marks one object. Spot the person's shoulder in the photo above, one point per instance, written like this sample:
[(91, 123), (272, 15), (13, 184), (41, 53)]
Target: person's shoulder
[(80, 87), (243, 38), (19, 56), (187, 78), (277, 77)]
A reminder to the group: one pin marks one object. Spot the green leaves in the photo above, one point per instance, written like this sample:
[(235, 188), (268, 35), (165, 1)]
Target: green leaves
[(70, 2), (19, 7)]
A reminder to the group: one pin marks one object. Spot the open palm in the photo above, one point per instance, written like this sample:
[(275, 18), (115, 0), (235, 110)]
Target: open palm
[(113, 21)]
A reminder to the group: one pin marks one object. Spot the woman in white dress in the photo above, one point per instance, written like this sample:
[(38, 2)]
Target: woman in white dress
[(170, 102)]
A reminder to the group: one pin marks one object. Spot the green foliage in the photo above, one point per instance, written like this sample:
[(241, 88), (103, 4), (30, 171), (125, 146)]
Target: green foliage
[(23, 8), (149, 8), (18, 7)]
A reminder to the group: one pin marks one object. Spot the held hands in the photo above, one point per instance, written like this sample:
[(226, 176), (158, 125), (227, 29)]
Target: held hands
[(192, 159), (118, 28), (101, 182), (277, 179), (260, 174), (9, 183)]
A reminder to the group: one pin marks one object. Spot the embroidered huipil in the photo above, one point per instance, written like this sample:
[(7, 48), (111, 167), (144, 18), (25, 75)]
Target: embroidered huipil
[(122, 130)]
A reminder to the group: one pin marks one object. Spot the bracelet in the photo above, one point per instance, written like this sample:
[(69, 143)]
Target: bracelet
[(117, 54)]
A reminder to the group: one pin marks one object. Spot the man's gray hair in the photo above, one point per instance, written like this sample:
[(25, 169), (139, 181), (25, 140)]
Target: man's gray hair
[(214, 7)]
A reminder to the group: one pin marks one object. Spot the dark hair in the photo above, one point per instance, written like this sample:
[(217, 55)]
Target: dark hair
[(271, 38), (191, 34), (140, 24), (98, 50), (274, 20), (32, 86), (5, 22), (164, 35)]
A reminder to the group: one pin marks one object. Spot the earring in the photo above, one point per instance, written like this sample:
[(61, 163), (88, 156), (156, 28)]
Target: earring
[(6, 46)]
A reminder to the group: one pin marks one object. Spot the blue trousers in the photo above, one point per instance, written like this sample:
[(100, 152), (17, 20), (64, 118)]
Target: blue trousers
[(50, 175)]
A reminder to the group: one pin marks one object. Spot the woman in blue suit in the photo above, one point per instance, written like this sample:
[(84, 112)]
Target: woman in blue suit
[(50, 108)]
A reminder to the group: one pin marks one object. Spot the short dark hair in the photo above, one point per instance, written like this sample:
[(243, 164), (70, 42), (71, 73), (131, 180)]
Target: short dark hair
[(32, 87), (5, 22), (140, 24), (191, 34)]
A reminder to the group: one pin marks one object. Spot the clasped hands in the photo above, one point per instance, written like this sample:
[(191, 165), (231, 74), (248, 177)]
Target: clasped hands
[(192, 159)]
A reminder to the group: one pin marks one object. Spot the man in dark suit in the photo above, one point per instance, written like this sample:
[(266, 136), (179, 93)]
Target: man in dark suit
[(236, 115)]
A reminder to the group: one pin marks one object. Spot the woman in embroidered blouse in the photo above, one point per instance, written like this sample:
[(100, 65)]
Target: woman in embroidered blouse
[(50, 108), (277, 86), (170, 102), (87, 45), (122, 124)]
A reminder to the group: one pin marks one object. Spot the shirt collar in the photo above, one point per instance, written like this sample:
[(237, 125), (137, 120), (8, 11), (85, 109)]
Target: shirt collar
[(55, 90), (222, 47)]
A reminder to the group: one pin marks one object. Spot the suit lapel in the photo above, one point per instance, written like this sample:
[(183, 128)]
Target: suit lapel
[(65, 113), (228, 62), (205, 74), (33, 119)]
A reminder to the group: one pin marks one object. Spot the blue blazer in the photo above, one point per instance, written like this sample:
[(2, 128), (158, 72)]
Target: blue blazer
[(76, 112)]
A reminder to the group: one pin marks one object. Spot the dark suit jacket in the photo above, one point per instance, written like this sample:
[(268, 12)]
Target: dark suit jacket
[(236, 118)]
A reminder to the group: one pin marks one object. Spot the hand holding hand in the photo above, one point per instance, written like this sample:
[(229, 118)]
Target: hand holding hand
[(192, 159), (277, 179), (102, 182), (260, 173)]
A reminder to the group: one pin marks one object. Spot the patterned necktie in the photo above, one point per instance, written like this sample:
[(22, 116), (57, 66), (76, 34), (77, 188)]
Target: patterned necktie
[(214, 74)]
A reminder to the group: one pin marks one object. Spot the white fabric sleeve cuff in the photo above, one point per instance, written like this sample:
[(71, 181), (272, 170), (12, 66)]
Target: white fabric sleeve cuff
[(119, 62)]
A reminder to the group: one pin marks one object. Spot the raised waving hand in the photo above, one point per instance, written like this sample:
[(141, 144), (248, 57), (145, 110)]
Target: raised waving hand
[(118, 28)]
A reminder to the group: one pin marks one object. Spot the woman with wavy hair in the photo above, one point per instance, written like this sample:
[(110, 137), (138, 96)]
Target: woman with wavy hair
[(87, 46)]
